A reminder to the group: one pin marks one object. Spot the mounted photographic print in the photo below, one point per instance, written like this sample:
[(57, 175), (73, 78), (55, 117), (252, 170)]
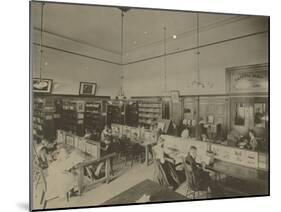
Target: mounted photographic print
[(87, 88), (181, 112), (42, 85)]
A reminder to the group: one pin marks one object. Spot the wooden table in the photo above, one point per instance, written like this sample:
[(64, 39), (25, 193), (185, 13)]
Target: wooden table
[(156, 192), (239, 172), (146, 145)]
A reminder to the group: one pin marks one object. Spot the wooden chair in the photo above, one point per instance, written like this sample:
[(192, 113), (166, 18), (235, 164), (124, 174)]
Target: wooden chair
[(193, 188)]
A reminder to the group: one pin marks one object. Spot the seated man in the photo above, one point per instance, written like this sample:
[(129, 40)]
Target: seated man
[(106, 149), (201, 175)]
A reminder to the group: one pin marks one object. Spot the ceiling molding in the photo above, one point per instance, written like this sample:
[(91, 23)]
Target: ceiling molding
[(193, 48), (77, 54), (192, 32), (77, 41), (151, 58)]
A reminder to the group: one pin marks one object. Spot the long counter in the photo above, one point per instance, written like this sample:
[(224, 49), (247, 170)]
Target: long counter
[(221, 152), (87, 146)]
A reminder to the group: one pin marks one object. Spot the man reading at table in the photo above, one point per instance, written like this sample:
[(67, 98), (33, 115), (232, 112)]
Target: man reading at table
[(202, 176)]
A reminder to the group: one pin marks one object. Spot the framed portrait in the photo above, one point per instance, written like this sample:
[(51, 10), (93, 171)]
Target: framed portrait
[(42, 85), (87, 88)]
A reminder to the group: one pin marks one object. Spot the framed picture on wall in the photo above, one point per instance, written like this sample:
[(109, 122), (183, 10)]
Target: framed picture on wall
[(42, 85), (87, 88)]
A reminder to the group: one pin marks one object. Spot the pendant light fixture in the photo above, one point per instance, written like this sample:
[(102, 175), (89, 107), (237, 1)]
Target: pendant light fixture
[(41, 84), (165, 94), (121, 94), (198, 83)]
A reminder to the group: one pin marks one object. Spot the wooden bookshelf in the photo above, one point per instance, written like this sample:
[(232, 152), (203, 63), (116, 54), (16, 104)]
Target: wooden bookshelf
[(149, 112), (131, 113), (72, 116), (115, 112), (43, 119), (94, 119)]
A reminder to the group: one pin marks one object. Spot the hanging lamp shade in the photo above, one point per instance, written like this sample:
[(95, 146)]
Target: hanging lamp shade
[(41, 84), (165, 93), (121, 95), (197, 82)]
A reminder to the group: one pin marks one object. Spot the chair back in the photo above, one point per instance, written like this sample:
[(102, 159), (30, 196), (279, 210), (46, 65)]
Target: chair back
[(190, 177)]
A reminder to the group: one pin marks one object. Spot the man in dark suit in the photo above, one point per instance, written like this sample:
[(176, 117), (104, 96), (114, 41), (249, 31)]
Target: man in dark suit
[(202, 177)]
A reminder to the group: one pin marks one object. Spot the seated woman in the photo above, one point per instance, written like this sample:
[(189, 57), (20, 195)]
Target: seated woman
[(42, 153), (202, 176), (165, 172)]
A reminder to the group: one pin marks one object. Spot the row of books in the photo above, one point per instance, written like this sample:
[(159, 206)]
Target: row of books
[(150, 105)]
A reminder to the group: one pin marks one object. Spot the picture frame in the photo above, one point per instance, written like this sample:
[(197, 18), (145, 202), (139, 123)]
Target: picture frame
[(42, 85), (87, 88)]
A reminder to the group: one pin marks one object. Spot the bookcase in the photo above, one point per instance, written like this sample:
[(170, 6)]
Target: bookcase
[(72, 116), (93, 116), (149, 112), (131, 113), (43, 119), (115, 112)]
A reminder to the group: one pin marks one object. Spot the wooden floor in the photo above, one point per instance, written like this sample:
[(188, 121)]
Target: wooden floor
[(127, 178), (104, 192)]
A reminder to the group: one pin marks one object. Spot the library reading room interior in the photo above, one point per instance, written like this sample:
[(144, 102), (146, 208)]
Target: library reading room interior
[(133, 105)]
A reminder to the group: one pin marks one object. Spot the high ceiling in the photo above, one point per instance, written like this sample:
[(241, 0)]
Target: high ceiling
[(101, 26)]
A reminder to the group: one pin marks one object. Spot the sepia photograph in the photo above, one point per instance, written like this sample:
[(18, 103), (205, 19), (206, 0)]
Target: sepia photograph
[(139, 105)]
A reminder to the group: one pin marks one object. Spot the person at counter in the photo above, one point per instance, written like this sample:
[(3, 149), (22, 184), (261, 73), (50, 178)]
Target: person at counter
[(106, 133), (173, 129), (183, 125), (88, 134), (185, 133), (248, 142), (106, 147), (165, 171), (252, 144), (201, 175)]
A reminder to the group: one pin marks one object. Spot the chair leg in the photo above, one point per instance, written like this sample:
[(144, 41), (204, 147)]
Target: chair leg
[(67, 196), (42, 197), (45, 204), (132, 162)]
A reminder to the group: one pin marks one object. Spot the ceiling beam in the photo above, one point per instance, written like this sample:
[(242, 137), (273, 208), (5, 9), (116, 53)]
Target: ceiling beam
[(77, 41), (193, 48), (77, 54)]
